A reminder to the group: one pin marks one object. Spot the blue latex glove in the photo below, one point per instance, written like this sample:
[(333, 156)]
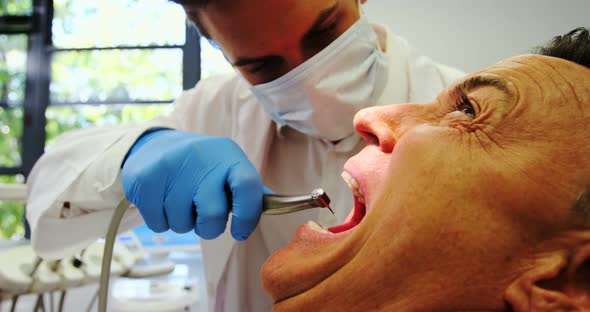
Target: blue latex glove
[(183, 181)]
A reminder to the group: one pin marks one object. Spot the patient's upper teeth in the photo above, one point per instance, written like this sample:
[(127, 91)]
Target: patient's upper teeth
[(347, 177), (353, 185), (350, 180)]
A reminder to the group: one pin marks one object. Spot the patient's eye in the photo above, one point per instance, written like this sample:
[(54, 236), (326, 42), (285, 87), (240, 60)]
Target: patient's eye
[(465, 106)]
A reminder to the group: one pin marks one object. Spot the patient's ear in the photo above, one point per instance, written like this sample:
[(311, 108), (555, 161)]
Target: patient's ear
[(559, 281)]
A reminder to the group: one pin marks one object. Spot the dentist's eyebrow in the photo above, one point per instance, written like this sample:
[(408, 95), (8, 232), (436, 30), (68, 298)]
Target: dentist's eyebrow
[(322, 16), (475, 82), (242, 61)]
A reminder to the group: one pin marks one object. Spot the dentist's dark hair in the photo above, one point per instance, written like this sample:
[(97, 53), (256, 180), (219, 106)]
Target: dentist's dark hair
[(573, 46), (197, 3), (193, 15)]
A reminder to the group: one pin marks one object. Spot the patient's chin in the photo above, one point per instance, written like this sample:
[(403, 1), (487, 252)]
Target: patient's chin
[(313, 255), (278, 279), (303, 264), (285, 274)]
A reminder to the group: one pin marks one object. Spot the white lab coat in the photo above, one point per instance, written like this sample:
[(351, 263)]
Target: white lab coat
[(76, 184)]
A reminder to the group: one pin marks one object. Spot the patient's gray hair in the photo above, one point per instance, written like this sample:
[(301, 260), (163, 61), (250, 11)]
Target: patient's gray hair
[(573, 46)]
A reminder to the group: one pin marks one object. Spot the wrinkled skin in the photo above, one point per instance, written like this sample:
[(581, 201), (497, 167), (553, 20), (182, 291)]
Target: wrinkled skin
[(461, 202)]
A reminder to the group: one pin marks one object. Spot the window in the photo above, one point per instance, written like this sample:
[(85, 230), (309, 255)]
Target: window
[(129, 69), (15, 8), (100, 63), (11, 213), (15, 27), (13, 51)]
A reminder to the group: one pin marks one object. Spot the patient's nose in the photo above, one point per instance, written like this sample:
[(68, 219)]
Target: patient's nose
[(377, 125)]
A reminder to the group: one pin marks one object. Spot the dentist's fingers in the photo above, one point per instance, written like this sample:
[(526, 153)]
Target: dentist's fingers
[(147, 195), (179, 208), (247, 191), (211, 202)]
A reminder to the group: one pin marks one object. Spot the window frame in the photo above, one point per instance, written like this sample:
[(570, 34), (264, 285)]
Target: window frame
[(40, 49)]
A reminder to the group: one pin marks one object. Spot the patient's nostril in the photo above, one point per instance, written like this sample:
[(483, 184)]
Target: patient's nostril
[(370, 138)]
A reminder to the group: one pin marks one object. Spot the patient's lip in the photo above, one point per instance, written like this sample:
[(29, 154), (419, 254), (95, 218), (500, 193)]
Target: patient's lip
[(310, 234)]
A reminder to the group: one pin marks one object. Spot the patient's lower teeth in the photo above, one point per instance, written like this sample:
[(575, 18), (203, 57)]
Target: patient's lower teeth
[(317, 227)]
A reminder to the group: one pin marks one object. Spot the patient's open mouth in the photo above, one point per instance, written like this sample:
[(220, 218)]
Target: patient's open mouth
[(355, 216), (353, 219), (359, 210)]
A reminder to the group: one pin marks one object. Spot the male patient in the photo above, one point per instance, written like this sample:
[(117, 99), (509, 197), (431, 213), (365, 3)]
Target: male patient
[(478, 201)]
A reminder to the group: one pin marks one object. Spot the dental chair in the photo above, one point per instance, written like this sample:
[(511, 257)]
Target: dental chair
[(22, 272)]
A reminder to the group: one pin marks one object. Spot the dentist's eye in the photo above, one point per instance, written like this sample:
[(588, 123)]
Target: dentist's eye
[(255, 68), (465, 106), (265, 71), (324, 30)]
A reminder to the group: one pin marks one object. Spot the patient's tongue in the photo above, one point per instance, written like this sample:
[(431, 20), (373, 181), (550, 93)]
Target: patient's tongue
[(341, 228), (353, 219)]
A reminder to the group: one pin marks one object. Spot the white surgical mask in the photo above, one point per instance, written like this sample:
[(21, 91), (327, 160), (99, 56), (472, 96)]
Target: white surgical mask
[(321, 96)]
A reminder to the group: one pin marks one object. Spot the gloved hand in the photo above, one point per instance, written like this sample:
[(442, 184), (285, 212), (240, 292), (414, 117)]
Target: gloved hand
[(181, 180)]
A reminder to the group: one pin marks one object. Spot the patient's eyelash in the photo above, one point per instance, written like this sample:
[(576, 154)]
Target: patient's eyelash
[(465, 106)]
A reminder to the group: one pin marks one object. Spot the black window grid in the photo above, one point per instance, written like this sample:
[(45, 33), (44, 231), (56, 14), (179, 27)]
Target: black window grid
[(38, 76), (37, 27)]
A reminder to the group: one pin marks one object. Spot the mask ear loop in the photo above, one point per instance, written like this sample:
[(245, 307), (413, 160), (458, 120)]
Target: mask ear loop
[(363, 14)]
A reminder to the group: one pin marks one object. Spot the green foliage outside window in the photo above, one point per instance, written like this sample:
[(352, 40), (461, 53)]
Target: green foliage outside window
[(10, 132), (12, 80), (111, 75), (66, 118), (16, 7), (11, 213)]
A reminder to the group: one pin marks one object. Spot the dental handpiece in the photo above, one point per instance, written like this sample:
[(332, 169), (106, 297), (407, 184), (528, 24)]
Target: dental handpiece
[(282, 204), (272, 205)]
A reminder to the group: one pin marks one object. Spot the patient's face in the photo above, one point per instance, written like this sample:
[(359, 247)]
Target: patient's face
[(454, 192)]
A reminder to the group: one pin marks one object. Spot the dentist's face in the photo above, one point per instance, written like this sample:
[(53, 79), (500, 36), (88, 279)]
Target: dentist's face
[(455, 192), (265, 39)]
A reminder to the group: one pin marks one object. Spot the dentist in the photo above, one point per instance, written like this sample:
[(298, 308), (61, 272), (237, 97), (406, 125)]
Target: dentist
[(284, 120)]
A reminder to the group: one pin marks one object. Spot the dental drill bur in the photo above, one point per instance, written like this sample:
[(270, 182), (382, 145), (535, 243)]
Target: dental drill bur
[(283, 204)]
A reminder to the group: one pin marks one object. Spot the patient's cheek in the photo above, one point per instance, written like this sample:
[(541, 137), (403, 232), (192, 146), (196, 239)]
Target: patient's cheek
[(420, 147), (457, 120)]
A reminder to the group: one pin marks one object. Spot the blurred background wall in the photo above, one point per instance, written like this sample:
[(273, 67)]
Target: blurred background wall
[(473, 34)]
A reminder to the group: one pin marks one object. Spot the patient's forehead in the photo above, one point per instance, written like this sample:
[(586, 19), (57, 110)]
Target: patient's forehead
[(549, 121), (548, 72), (547, 84), (548, 115)]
